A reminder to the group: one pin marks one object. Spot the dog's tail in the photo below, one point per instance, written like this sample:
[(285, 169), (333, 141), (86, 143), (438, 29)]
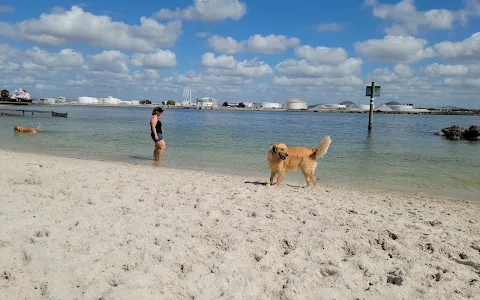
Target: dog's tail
[(322, 148), (38, 127)]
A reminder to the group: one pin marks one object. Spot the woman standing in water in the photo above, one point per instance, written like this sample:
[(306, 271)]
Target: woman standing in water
[(156, 133)]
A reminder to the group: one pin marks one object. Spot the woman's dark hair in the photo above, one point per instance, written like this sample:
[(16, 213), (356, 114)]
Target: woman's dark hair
[(158, 108)]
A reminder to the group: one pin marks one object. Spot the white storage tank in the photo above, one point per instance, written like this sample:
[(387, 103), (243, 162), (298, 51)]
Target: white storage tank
[(295, 103), (401, 107), (362, 106), (111, 100), (87, 100)]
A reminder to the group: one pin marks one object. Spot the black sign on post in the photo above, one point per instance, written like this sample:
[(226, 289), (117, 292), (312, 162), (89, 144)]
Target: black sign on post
[(368, 91)]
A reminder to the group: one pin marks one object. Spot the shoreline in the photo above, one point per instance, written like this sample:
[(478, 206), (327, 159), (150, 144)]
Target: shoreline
[(73, 228), (259, 177)]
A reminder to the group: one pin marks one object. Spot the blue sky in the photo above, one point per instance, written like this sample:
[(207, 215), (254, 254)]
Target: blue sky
[(422, 52)]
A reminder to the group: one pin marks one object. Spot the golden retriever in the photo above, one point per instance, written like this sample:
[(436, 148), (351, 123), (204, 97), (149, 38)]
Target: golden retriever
[(282, 160), (26, 129)]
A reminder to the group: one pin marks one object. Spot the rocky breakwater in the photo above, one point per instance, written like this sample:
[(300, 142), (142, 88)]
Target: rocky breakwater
[(457, 132)]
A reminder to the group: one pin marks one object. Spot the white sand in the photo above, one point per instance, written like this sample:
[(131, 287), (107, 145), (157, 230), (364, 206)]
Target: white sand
[(77, 229)]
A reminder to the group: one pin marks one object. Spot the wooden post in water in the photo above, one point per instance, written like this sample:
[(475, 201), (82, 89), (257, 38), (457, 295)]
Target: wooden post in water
[(370, 91), (372, 99)]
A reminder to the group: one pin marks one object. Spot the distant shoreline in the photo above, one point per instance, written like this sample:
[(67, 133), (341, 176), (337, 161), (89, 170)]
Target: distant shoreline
[(431, 112)]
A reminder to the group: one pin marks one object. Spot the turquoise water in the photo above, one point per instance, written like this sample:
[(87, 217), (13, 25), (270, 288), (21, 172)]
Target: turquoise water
[(401, 153)]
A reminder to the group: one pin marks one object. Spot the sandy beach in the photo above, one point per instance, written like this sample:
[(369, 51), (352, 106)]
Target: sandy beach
[(80, 229)]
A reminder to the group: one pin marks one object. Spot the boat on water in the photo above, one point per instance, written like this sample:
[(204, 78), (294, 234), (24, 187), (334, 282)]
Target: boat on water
[(18, 97)]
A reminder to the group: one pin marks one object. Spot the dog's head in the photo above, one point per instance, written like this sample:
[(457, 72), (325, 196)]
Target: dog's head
[(17, 128), (280, 150)]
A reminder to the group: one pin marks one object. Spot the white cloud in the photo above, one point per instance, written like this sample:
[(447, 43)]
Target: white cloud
[(6, 9), (245, 69), (203, 34), (65, 58), (347, 80), (161, 59), (446, 70), (222, 61), (473, 82), (226, 45), (206, 11), (77, 26), (223, 74), (42, 86), (332, 27), (79, 80), (383, 76), (407, 19), (403, 70), (151, 74), (303, 68), (471, 10), (270, 44), (466, 50), (110, 61), (321, 67), (209, 84), (323, 55), (23, 80), (452, 81), (396, 49)]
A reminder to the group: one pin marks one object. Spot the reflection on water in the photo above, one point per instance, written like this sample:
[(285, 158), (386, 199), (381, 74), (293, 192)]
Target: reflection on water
[(401, 152)]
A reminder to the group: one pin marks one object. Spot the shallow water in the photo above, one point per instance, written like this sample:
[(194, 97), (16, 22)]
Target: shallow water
[(401, 153)]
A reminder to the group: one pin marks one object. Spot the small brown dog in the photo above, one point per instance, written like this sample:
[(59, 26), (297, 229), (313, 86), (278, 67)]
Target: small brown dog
[(282, 160), (26, 129)]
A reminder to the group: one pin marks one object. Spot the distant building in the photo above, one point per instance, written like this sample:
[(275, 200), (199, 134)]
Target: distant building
[(236, 104), (267, 105), (206, 102), (47, 101), (295, 103)]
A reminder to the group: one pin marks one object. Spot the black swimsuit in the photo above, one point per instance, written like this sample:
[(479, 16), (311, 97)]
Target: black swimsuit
[(158, 128)]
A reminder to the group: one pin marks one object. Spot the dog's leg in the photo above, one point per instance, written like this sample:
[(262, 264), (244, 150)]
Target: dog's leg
[(314, 180), (307, 176), (280, 176), (272, 175)]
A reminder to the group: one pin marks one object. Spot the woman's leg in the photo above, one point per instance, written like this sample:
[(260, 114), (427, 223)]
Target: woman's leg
[(162, 147), (156, 152)]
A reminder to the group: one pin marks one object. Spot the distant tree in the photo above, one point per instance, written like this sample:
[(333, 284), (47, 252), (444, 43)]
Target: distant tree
[(225, 104), (241, 105), (164, 102), (5, 93), (170, 102)]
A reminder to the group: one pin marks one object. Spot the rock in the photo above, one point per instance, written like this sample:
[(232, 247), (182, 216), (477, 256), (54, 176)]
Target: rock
[(472, 133), (396, 280), (454, 133), (457, 132)]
